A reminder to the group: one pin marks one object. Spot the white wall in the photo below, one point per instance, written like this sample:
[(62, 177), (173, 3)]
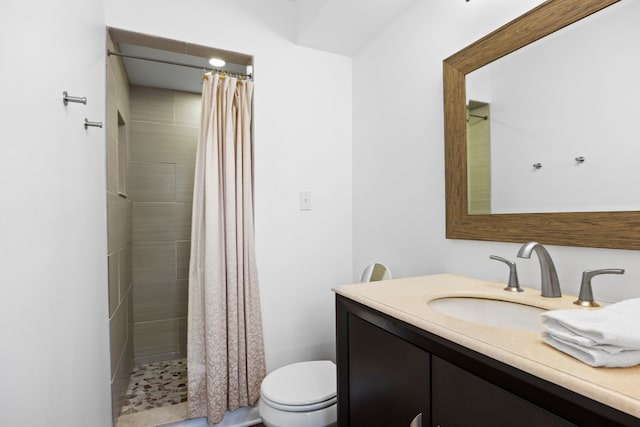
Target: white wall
[(302, 109), (398, 167), (53, 305)]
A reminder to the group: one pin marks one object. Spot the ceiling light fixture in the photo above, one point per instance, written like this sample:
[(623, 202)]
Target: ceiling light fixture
[(217, 62)]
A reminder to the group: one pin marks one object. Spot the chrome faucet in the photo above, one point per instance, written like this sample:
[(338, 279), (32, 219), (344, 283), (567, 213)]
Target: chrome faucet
[(550, 286)]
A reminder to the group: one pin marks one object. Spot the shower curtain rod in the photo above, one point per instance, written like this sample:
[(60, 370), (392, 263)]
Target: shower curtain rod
[(204, 69)]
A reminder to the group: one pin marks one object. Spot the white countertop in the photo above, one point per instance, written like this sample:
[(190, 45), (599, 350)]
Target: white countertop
[(408, 300)]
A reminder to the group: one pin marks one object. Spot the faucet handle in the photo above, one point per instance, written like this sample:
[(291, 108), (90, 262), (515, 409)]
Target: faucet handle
[(585, 299), (513, 285)]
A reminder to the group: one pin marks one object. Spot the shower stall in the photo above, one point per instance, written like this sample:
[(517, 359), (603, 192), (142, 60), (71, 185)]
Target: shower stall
[(152, 130)]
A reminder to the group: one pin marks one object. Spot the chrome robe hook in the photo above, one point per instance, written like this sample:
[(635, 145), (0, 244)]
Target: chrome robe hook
[(66, 99), (87, 123)]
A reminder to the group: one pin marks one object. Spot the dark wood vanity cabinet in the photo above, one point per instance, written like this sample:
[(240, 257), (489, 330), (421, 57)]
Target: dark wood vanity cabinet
[(390, 371), (387, 377), (463, 399)]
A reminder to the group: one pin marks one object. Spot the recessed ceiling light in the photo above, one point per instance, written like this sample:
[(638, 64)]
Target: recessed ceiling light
[(217, 62)]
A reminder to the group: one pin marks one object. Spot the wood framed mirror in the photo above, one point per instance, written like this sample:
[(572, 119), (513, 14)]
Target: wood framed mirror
[(616, 229)]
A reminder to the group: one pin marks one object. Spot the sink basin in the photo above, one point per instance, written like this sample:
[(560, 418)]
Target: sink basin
[(489, 312)]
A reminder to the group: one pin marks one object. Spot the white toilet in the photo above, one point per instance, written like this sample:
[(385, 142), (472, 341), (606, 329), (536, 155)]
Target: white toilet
[(300, 395)]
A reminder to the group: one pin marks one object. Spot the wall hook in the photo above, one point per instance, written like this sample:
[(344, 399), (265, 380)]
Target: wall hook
[(87, 123), (66, 99), (537, 165), (580, 159)]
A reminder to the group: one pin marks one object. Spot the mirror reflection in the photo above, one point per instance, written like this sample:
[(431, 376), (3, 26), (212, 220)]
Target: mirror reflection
[(552, 127)]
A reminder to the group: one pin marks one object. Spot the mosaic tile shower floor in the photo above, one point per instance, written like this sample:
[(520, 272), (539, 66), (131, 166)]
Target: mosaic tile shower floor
[(155, 385)]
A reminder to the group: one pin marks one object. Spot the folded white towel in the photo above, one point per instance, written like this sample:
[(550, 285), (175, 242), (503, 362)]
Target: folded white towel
[(606, 337), (594, 356)]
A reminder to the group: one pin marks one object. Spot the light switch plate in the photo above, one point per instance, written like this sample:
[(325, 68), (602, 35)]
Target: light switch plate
[(305, 200)]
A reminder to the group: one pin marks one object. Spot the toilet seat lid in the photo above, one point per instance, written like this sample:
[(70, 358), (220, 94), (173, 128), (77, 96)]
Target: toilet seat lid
[(301, 384)]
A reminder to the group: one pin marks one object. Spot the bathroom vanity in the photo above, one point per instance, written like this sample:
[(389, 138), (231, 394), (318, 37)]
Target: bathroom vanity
[(398, 357)]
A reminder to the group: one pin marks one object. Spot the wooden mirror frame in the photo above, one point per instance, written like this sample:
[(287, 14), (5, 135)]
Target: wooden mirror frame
[(619, 230)]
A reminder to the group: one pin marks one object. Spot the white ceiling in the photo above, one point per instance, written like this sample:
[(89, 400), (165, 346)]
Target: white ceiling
[(344, 26), (338, 26)]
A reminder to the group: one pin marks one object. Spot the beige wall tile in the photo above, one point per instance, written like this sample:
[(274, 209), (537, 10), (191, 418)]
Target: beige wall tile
[(155, 338), (122, 85), (118, 222), (159, 300), (187, 109), (153, 222), (183, 220), (114, 298), (154, 261), (152, 182), (111, 100), (151, 104), (117, 105), (111, 121), (123, 102), (120, 82), (120, 383), (184, 182), (120, 379), (120, 73), (124, 108), (117, 336), (119, 234), (182, 294), (125, 259), (162, 143), (128, 302), (123, 156), (110, 43), (182, 337), (183, 249), (112, 164)]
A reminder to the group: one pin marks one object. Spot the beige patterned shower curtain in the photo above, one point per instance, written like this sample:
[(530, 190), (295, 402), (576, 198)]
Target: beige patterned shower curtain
[(225, 350)]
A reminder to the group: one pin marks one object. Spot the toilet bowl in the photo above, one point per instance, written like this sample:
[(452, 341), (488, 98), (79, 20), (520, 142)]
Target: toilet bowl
[(300, 395)]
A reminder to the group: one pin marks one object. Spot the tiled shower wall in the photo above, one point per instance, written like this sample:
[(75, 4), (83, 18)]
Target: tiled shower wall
[(164, 131), (118, 230)]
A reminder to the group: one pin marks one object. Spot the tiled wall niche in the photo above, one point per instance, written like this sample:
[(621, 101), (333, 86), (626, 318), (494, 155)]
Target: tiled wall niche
[(119, 242), (164, 132)]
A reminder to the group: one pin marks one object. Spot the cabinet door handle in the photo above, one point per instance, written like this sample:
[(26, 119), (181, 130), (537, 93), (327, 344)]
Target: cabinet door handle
[(417, 421)]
